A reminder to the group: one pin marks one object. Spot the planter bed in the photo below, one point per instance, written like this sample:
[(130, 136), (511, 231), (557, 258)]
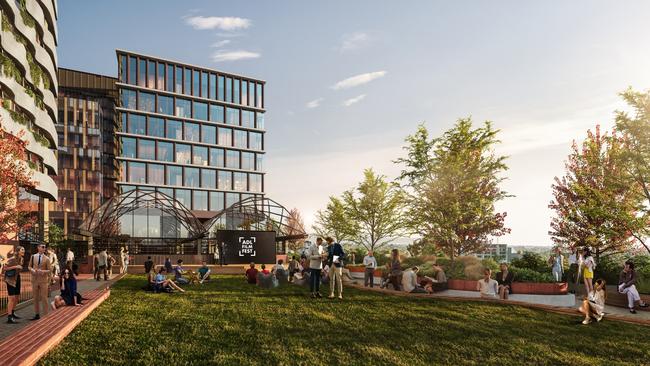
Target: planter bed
[(360, 269)]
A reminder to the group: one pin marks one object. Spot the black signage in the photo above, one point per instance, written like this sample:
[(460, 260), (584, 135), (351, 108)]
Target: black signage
[(241, 247)]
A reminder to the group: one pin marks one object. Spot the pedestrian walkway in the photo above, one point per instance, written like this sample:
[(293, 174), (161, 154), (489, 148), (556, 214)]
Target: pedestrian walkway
[(26, 310)]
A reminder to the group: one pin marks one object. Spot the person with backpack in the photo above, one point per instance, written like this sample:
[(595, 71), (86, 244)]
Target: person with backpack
[(335, 257)]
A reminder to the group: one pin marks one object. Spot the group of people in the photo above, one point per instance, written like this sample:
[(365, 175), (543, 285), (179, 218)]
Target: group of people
[(407, 280), (157, 280), (104, 262), (45, 272), (264, 278)]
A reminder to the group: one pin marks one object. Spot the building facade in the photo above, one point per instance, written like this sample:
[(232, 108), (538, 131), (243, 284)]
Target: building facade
[(29, 86), (498, 252), (86, 130), (193, 133)]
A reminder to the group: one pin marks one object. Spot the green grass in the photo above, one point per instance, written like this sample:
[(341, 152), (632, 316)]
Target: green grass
[(230, 322)]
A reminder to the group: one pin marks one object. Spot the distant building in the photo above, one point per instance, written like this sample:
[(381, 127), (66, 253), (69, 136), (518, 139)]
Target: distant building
[(498, 252)]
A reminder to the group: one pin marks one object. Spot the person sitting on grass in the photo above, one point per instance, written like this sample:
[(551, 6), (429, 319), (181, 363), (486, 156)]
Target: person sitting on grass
[(251, 274), (594, 305), (69, 295), (410, 281), (487, 286), (504, 278), (627, 286), (179, 272), (151, 280), (265, 279), (293, 268), (163, 284), (279, 272), (204, 272)]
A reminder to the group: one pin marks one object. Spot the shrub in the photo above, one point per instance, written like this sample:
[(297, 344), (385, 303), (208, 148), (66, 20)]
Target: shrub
[(531, 261), (529, 275), (491, 264)]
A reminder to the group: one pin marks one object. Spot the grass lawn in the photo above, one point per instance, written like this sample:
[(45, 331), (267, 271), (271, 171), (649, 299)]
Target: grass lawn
[(230, 322)]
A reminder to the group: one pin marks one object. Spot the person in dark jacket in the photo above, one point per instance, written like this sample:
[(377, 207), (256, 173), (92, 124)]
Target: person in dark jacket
[(168, 265), (627, 286), (504, 279), (335, 257), (148, 265), (69, 295)]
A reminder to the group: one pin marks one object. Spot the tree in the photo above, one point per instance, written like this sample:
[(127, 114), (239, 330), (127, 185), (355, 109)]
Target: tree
[(636, 131), (55, 236), (377, 208), (296, 227), (335, 221), (453, 184), (596, 202), (14, 176)]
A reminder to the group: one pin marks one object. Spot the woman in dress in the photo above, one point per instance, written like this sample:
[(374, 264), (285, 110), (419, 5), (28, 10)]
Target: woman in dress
[(588, 267), (594, 305), (11, 273), (395, 270)]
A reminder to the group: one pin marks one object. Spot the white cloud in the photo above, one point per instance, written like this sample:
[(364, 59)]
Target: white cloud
[(354, 40), (221, 43), (222, 23), (314, 103), (358, 80), (221, 56), (354, 100)]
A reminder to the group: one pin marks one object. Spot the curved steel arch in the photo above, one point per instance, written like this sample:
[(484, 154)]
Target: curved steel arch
[(257, 213), (104, 221)]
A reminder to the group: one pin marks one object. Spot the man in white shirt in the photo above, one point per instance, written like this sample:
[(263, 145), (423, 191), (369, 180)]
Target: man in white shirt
[(370, 262), (410, 281), (69, 258), (315, 256), (487, 286), (102, 260)]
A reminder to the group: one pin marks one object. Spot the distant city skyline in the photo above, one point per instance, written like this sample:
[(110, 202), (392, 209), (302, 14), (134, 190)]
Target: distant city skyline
[(347, 82)]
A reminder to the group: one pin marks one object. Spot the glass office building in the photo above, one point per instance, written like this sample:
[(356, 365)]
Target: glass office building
[(193, 133)]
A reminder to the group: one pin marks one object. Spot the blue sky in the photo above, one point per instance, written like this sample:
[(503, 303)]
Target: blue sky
[(348, 80)]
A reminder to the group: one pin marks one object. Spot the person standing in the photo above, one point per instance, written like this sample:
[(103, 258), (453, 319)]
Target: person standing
[(121, 260), (54, 260), (335, 257), (627, 286), (588, 267), (41, 269), (572, 275), (370, 262), (168, 265), (315, 256), (148, 264), (69, 258), (11, 272), (102, 260), (557, 262), (395, 270), (126, 261), (110, 263)]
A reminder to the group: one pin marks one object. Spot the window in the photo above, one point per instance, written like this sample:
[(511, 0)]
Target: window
[(123, 117), (196, 83), (137, 172), (232, 159), (225, 136), (200, 200), (200, 155), (183, 108), (183, 153), (251, 94), (240, 180), (174, 129), (200, 111), (128, 147), (216, 201), (133, 65), (255, 182), (216, 113), (156, 174), (179, 80), (256, 140), (165, 105), (232, 116), (259, 100), (151, 75), (231, 199), (204, 85), (167, 191), (240, 139), (170, 78), (244, 92), (228, 90), (248, 160), (260, 121), (125, 189), (208, 134), (216, 157), (156, 127), (247, 118), (259, 164), (213, 87), (188, 82), (208, 178), (128, 99), (192, 132), (142, 72), (146, 102), (221, 95), (137, 124), (191, 177), (146, 149), (225, 180), (123, 72), (184, 196), (174, 175), (235, 91), (165, 151), (160, 81)]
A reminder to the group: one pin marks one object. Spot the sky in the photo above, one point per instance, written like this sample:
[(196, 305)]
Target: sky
[(347, 81)]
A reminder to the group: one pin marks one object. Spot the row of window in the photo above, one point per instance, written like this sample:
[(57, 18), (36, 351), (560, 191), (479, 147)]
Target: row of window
[(188, 154), (191, 131), (171, 175), (195, 199), (184, 80), (179, 107)]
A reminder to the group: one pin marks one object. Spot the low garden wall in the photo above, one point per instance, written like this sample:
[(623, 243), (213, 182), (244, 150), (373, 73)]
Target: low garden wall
[(530, 288)]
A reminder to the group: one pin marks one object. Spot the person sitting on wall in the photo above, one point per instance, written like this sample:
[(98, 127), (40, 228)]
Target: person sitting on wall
[(163, 284), (410, 281), (69, 295), (504, 279), (179, 273), (204, 272), (280, 273), (487, 286), (251, 274)]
